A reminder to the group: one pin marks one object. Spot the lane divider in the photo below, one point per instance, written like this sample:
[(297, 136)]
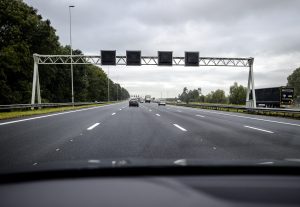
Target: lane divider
[(157, 114), (263, 130), (113, 114), (93, 126), (179, 127), (200, 115)]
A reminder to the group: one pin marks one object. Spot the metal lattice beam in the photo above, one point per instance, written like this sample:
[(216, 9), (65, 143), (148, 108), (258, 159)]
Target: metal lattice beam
[(145, 60)]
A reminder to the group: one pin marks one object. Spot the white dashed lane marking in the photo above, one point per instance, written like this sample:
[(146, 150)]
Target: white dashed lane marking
[(265, 163), (113, 114), (157, 114), (263, 130), (200, 115), (93, 126), (94, 161), (179, 127)]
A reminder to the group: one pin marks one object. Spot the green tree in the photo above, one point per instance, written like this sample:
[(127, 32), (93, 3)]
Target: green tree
[(189, 95), (217, 96), (193, 95), (294, 81), (184, 95), (237, 94), (23, 32)]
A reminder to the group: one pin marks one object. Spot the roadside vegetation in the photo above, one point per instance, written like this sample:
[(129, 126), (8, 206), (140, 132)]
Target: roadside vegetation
[(237, 96), (24, 32), (28, 112), (237, 93)]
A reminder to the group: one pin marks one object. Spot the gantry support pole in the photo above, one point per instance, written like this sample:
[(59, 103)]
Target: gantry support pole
[(251, 88), (35, 82)]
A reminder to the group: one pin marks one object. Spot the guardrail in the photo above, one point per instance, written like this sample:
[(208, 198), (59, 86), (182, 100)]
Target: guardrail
[(44, 105), (295, 113)]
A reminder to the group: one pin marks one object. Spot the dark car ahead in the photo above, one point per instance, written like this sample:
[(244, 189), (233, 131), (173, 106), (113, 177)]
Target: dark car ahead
[(133, 102)]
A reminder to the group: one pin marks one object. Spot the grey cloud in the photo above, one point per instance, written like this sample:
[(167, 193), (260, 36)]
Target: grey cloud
[(267, 30)]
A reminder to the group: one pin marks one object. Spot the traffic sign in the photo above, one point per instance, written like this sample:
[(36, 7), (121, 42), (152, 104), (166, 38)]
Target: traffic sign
[(108, 57), (165, 58), (133, 58), (191, 59)]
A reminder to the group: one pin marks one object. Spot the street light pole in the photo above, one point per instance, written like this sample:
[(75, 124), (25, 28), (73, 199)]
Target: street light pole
[(72, 82), (117, 88), (117, 93), (107, 83)]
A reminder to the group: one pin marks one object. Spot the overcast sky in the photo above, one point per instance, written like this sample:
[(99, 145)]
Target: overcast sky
[(268, 30)]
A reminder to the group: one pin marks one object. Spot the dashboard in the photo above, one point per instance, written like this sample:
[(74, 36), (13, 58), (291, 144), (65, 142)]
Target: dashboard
[(202, 190)]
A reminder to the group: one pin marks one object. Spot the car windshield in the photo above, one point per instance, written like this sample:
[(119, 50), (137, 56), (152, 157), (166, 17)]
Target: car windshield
[(148, 82)]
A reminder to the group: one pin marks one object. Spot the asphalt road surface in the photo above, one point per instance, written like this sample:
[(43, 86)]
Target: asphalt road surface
[(149, 131)]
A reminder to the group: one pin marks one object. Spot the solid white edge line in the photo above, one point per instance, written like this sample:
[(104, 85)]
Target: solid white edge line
[(93, 126), (45, 116), (157, 114), (259, 129), (179, 127), (245, 117)]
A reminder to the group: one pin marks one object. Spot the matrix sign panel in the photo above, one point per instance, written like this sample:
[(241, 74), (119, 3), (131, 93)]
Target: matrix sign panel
[(165, 58), (191, 59), (133, 58), (108, 57)]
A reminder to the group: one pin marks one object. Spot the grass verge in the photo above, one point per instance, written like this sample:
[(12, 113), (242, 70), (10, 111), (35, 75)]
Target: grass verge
[(16, 114)]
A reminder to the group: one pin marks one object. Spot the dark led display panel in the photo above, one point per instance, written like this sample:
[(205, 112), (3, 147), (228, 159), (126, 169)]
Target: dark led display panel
[(108, 57), (133, 58), (165, 58), (191, 59)]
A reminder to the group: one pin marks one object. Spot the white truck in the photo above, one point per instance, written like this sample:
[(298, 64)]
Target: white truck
[(147, 99)]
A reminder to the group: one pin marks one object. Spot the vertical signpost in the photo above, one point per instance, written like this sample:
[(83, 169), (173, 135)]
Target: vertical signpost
[(250, 87)]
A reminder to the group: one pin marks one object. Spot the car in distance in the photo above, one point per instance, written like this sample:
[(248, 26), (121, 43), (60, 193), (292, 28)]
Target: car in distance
[(162, 102), (147, 99), (133, 102)]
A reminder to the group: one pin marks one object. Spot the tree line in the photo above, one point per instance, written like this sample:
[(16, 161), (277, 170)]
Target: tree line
[(23, 32), (237, 93)]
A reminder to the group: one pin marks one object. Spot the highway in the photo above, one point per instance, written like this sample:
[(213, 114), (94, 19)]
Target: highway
[(149, 132)]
